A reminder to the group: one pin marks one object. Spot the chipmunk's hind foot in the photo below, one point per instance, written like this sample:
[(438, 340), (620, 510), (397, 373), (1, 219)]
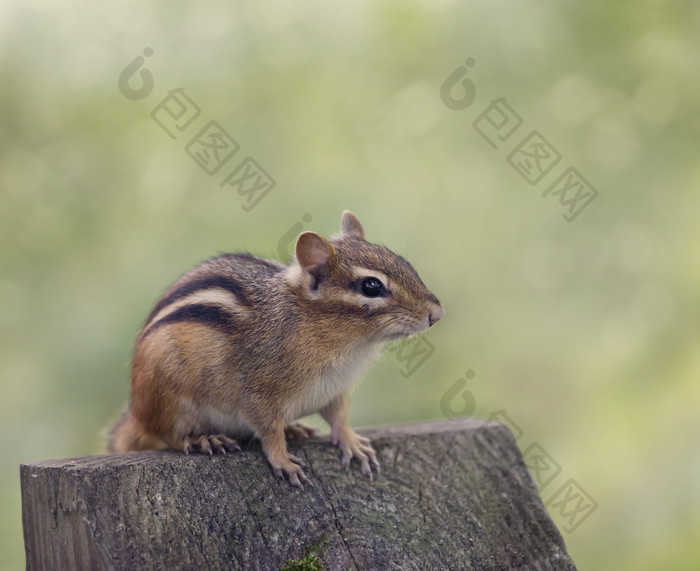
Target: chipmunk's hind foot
[(300, 431), (210, 444)]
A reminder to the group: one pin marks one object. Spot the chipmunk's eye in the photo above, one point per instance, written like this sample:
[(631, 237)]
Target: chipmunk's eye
[(372, 287)]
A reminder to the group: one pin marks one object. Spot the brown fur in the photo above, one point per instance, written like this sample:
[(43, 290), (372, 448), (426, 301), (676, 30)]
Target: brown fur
[(245, 345)]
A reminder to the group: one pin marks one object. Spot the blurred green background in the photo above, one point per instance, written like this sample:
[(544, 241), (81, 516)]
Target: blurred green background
[(584, 332)]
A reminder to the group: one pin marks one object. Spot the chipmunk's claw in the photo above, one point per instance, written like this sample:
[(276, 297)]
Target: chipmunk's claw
[(210, 444), (292, 472), (297, 460)]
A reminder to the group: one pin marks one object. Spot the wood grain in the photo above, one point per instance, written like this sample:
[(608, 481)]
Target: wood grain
[(451, 495)]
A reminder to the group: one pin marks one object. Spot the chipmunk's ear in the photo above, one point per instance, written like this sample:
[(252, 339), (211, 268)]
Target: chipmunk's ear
[(315, 256), (350, 226)]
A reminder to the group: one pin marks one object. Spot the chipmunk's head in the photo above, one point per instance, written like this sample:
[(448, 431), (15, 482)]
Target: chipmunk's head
[(364, 288)]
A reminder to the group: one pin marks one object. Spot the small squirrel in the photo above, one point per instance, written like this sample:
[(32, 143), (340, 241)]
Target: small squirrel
[(241, 346)]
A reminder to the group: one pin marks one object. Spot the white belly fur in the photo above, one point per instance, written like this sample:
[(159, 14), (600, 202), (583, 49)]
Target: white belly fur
[(339, 378)]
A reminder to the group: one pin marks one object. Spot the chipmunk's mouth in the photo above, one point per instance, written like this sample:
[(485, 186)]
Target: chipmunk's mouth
[(404, 332), (397, 328)]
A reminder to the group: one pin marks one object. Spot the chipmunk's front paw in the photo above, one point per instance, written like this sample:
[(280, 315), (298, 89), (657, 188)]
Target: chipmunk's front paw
[(354, 445), (210, 444), (291, 469), (299, 431)]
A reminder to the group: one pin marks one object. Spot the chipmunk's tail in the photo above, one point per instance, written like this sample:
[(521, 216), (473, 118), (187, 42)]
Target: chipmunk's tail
[(127, 435)]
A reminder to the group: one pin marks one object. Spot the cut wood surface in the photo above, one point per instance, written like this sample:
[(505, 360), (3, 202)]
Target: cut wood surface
[(451, 495)]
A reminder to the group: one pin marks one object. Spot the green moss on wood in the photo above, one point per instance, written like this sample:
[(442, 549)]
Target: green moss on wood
[(310, 561)]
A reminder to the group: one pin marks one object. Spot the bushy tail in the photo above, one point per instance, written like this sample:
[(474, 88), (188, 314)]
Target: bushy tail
[(127, 435)]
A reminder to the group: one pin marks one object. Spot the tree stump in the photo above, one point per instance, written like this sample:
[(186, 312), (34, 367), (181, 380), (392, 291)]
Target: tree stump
[(451, 495)]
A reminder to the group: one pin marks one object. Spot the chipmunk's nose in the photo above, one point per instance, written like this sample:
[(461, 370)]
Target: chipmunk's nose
[(436, 312)]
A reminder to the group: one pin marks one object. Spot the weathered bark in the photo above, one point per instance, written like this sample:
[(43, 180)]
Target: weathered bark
[(451, 495)]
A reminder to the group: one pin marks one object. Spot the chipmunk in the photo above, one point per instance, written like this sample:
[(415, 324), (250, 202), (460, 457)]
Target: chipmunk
[(243, 345)]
